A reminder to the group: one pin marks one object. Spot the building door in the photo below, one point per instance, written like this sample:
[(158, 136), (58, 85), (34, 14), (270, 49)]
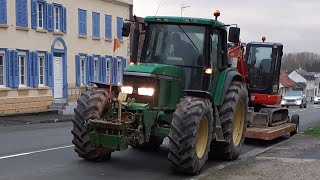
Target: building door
[(58, 78)]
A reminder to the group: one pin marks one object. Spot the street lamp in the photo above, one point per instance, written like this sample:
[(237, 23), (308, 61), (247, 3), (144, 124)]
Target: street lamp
[(183, 7)]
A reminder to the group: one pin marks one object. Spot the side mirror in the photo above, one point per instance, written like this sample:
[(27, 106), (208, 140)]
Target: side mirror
[(126, 29), (234, 34)]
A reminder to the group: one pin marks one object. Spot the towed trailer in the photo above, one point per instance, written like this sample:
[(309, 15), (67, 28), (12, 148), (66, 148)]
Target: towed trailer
[(262, 125)]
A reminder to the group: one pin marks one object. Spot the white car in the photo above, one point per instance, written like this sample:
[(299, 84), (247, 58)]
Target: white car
[(316, 99)]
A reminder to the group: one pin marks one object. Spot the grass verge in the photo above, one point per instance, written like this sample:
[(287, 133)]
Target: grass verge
[(314, 131)]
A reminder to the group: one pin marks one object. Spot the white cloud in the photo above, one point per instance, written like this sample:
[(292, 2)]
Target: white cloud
[(292, 22)]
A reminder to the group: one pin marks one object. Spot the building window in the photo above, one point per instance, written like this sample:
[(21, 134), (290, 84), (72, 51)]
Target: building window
[(95, 70), (41, 70), (22, 70), (57, 21), (2, 70), (40, 15), (3, 11), (82, 22), (95, 25), (82, 70)]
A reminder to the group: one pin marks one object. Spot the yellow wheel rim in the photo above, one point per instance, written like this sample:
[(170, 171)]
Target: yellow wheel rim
[(202, 137), (238, 124)]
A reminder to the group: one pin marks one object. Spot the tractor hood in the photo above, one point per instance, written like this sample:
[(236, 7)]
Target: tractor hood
[(157, 69)]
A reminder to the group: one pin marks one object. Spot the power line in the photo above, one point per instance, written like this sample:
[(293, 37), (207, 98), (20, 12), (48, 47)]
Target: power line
[(158, 7)]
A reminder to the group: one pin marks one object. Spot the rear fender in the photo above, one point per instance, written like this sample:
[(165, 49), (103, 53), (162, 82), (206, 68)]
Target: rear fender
[(199, 94), (224, 81)]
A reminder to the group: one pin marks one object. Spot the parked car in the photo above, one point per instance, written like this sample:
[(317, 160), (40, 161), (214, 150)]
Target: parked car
[(316, 99), (294, 98)]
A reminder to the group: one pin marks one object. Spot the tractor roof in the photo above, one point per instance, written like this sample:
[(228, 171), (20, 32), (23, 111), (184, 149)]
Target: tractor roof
[(265, 43), (186, 20)]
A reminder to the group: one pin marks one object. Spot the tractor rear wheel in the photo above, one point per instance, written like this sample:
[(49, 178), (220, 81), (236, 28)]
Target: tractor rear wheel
[(91, 105), (233, 118), (190, 135)]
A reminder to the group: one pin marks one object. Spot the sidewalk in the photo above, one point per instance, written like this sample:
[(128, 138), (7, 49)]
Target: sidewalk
[(298, 158), (34, 118)]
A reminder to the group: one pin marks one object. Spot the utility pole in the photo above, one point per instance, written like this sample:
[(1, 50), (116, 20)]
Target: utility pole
[(183, 7)]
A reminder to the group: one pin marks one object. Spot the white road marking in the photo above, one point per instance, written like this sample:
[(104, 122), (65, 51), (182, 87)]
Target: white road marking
[(34, 152)]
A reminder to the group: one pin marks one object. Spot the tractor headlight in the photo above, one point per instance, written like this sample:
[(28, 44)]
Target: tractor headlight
[(127, 89), (146, 91)]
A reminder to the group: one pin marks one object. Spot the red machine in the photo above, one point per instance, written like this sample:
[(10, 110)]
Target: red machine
[(260, 64)]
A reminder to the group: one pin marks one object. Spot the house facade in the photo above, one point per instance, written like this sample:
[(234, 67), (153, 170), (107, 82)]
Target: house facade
[(286, 84), (53, 49), (302, 77)]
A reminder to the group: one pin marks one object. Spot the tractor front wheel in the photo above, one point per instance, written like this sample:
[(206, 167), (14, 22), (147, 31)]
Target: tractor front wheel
[(233, 117), (190, 135), (91, 105)]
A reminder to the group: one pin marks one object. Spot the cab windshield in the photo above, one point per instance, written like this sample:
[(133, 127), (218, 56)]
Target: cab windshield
[(259, 67), (181, 45)]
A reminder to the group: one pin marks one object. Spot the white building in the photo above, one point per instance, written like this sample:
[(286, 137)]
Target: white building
[(52, 49), (300, 76)]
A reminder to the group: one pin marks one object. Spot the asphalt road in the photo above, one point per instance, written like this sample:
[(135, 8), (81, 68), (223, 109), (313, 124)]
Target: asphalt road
[(44, 151)]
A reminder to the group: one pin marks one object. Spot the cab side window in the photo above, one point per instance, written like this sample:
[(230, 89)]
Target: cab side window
[(214, 42)]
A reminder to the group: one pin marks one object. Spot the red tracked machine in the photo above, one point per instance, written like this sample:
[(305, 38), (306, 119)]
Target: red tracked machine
[(260, 64)]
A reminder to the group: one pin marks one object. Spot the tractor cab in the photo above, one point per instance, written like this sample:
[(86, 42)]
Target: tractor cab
[(263, 61), (193, 46)]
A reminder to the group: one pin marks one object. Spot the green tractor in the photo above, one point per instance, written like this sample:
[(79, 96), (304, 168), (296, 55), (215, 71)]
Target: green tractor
[(182, 89)]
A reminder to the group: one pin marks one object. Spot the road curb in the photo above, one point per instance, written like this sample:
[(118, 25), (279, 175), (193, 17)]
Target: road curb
[(243, 157)]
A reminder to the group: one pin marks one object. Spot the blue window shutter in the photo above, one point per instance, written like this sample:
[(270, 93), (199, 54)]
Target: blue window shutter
[(29, 69), (87, 68), (79, 22), (115, 73), (95, 24), (46, 65), (104, 69), (91, 61), (15, 69), (50, 70), (11, 70), (35, 69), (61, 19), (123, 63), (82, 22), (77, 62), (8, 68), (50, 22), (45, 22), (34, 14), (108, 28), (64, 19), (100, 73), (3, 12), (22, 13), (119, 28)]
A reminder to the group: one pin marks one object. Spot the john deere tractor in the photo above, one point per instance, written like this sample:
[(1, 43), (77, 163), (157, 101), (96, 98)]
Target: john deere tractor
[(182, 88)]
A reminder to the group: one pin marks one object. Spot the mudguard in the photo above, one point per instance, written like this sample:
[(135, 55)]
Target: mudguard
[(200, 94), (224, 81)]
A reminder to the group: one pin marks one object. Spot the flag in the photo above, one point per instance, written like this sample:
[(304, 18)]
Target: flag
[(116, 45)]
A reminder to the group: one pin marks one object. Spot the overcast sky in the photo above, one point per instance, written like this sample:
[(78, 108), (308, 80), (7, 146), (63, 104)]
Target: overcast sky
[(295, 23)]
